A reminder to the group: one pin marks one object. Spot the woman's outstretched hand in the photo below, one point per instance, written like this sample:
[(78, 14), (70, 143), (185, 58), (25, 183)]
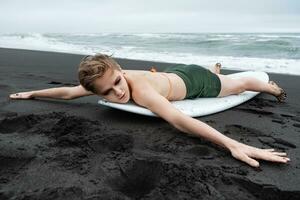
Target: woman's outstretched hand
[(21, 95), (250, 155)]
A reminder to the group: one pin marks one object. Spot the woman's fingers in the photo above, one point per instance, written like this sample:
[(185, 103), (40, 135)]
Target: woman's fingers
[(250, 155), (21, 95), (280, 159), (280, 153), (270, 156), (245, 158), (251, 161), (269, 150), (13, 96), (16, 96)]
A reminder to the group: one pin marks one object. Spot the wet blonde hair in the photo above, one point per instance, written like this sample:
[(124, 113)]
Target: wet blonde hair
[(93, 67)]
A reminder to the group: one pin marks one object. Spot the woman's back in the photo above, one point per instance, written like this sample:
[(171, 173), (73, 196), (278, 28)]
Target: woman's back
[(167, 84)]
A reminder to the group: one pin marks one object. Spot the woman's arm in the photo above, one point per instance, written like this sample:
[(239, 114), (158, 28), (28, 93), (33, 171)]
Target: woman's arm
[(56, 93), (149, 98), (238, 150)]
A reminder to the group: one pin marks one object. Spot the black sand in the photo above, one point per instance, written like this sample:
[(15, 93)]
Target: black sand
[(76, 149)]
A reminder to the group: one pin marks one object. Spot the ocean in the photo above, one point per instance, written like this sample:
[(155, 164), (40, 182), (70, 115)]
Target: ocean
[(270, 52)]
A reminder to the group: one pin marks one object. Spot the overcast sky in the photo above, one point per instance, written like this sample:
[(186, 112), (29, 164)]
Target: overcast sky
[(91, 16)]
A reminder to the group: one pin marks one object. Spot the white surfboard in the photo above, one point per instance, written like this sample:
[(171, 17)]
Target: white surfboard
[(200, 106)]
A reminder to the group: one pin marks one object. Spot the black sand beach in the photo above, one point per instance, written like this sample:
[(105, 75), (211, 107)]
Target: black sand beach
[(76, 149)]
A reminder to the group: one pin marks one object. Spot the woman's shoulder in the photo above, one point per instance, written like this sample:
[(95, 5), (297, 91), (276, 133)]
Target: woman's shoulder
[(139, 86), (138, 83)]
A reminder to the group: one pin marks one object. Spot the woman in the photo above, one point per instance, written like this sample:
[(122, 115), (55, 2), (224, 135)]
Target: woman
[(101, 75)]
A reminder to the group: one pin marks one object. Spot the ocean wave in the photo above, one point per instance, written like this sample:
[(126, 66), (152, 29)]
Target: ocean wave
[(284, 66), (37, 41), (235, 51)]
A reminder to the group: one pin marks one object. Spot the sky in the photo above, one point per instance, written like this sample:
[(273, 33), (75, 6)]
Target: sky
[(193, 16)]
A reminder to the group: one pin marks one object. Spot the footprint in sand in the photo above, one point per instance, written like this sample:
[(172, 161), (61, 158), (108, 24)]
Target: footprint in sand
[(112, 142), (239, 130), (199, 151), (19, 123), (137, 178), (245, 133), (276, 143), (15, 154)]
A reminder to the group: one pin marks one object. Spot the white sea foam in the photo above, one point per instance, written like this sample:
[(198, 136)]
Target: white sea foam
[(166, 36), (36, 41), (279, 36), (58, 43), (284, 66)]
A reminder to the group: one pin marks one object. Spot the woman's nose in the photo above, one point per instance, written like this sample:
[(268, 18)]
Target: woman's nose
[(119, 92)]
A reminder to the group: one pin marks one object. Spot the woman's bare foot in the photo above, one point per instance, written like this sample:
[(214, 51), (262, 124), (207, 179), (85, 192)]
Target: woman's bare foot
[(21, 95), (279, 93), (217, 68)]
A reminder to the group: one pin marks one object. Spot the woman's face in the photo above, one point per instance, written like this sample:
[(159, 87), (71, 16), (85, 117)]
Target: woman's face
[(113, 86)]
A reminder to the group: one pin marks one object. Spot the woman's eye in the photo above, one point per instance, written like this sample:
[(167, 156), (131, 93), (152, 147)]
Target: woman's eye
[(106, 93)]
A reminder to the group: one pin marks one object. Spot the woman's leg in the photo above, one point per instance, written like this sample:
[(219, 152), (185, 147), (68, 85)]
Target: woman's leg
[(235, 86)]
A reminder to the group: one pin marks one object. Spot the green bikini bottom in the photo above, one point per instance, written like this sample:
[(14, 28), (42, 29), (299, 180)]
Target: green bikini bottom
[(199, 81)]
